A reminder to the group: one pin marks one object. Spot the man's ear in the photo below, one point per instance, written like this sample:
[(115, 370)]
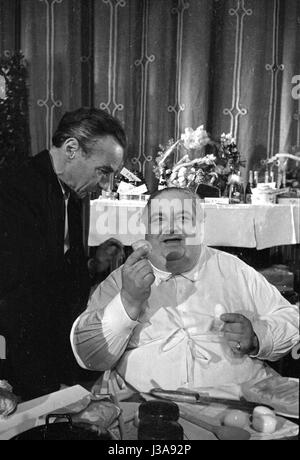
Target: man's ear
[(91, 266), (71, 147)]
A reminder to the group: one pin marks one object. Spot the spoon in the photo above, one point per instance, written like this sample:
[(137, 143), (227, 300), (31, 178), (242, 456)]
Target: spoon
[(223, 433)]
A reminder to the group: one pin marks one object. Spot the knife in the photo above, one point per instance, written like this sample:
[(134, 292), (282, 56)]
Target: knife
[(194, 397)]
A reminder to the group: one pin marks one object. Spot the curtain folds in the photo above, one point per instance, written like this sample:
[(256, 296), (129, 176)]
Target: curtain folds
[(161, 66)]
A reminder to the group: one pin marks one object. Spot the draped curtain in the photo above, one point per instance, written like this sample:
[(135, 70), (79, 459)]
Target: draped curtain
[(161, 66)]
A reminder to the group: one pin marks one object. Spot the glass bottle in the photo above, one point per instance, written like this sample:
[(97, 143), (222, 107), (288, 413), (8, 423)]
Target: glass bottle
[(248, 191), (284, 179), (267, 177), (236, 191), (255, 179), (226, 190)]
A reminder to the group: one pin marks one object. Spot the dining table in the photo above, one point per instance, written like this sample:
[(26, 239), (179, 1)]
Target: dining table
[(230, 225), (211, 412), (79, 398)]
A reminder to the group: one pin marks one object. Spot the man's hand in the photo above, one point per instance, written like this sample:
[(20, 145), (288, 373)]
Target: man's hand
[(137, 278), (239, 333)]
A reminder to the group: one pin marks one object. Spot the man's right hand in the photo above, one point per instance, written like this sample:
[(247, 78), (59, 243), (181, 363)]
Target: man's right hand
[(137, 278)]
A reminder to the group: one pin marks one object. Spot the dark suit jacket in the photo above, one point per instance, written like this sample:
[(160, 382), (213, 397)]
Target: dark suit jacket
[(42, 290)]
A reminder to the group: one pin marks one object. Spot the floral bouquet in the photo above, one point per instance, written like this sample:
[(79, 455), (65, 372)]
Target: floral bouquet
[(228, 161), (197, 166)]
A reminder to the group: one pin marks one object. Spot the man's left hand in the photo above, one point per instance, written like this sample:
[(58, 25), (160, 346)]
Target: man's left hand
[(239, 333)]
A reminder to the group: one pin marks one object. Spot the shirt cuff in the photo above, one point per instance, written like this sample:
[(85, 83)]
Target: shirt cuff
[(265, 342), (117, 318)]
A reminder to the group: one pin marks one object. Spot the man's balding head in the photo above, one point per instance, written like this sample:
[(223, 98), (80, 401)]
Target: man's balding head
[(174, 220)]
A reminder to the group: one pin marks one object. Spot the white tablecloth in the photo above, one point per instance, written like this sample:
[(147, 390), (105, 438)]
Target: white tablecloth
[(252, 226)]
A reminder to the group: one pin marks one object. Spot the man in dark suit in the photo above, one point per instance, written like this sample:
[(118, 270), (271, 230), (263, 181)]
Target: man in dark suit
[(44, 282)]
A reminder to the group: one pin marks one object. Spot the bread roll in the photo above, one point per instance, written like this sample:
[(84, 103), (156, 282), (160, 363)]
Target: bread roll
[(8, 401), (264, 420)]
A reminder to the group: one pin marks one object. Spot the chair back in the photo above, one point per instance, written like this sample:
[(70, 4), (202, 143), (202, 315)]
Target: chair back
[(2, 347)]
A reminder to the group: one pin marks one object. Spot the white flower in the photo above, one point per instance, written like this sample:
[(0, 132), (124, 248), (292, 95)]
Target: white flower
[(195, 139), (181, 181), (210, 158), (181, 172), (234, 178), (227, 139)]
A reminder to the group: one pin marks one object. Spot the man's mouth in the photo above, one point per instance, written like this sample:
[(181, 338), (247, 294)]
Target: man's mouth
[(172, 239)]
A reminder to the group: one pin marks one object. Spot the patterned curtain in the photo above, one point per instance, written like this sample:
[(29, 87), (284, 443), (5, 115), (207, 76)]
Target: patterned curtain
[(161, 66)]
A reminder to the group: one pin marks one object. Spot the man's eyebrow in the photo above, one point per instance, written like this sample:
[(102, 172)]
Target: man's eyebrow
[(156, 214), (184, 212), (107, 169)]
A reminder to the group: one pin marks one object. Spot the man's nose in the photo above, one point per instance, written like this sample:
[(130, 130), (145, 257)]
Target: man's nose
[(175, 226), (171, 226), (107, 182), (103, 184)]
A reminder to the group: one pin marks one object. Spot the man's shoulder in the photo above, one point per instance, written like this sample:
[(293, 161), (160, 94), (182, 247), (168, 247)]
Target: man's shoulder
[(25, 179), (225, 259)]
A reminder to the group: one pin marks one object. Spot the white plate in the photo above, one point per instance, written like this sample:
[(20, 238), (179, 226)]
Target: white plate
[(283, 414), (269, 403)]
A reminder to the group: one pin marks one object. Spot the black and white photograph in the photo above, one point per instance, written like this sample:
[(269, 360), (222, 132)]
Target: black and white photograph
[(149, 222)]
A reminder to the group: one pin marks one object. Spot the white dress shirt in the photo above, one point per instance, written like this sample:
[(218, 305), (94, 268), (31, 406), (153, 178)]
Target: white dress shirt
[(175, 342), (66, 196)]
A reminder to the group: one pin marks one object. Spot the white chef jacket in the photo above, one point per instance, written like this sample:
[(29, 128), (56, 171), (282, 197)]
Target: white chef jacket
[(175, 344)]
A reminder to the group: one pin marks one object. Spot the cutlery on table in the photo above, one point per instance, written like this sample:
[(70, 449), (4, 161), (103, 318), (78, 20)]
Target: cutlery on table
[(223, 433), (194, 397)]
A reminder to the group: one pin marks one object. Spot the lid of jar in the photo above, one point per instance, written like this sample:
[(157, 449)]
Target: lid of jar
[(165, 410), (161, 430)]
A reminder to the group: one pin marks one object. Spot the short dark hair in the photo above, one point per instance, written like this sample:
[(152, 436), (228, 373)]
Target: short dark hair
[(155, 195), (86, 124), (186, 191)]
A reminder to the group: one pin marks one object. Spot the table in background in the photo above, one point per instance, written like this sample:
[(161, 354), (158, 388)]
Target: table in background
[(247, 226)]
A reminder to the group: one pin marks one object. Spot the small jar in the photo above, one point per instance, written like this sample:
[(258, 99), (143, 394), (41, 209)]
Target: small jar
[(158, 420)]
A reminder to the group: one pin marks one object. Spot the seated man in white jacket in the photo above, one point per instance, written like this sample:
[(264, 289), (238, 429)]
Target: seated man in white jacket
[(183, 315)]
